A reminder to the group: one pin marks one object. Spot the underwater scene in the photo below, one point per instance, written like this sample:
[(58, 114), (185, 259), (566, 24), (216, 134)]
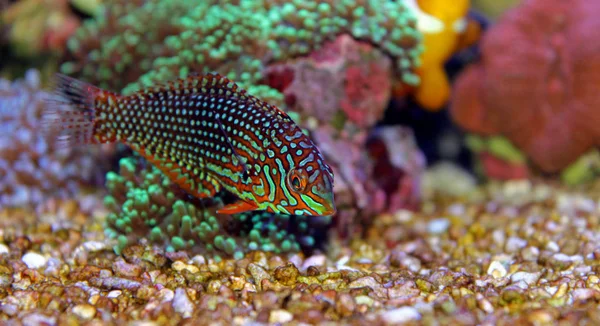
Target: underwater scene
[(299, 162)]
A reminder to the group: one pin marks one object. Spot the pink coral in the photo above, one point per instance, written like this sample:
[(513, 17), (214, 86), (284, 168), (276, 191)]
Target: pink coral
[(537, 82), (345, 73)]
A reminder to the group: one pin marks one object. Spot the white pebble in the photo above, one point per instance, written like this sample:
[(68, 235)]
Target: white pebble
[(438, 226), (529, 278), (316, 260), (34, 260), (182, 303), (113, 294), (497, 270), (401, 315), (93, 246), (280, 316), (552, 246), (513, 244)]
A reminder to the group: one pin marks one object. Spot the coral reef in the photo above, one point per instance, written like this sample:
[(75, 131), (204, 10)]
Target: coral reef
[(32, 168), (144, 205), (283, 52), (198, 36), (37, 26), (540, 95)]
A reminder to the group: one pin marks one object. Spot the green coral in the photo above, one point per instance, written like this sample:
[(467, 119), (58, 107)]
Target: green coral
[(142, 204), (136, 44)]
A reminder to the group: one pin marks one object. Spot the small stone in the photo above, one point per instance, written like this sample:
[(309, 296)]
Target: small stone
[(286, 274), (34, 260), (345, 305), (182, 303), (114, 294), (199, 260), (180, 266), (3, 249), (438, 226), (401, 315), (582, 294), (552, 246), (84, 311), (259, 274), (530, 253), (364, 299), (316, 260), (122, 268), (280, 316), (497, 270), (514, 244), (528, 278)]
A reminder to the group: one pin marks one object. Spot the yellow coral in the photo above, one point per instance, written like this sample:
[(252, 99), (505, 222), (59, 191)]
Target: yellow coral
[(443, 24)]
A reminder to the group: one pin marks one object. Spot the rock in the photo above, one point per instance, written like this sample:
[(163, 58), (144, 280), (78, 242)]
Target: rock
[(182, 303), (259, 274), (514, 244), (438, 226), (34, 260), (528, 278), (84, 311), (3, 249), (497, 270), (401, 315), (280, 316)]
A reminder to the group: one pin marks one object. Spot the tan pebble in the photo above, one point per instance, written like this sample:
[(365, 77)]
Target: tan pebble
[(592, 279), (562, 290), (214, 286), (259, 274), (345, 305), (541, 317), (180, 266), (237, 283), (364, 300), (84, 311), (94, 299), (280, 316)]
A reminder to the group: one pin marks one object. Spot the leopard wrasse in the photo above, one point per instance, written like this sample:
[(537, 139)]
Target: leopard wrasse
[(206, 134)]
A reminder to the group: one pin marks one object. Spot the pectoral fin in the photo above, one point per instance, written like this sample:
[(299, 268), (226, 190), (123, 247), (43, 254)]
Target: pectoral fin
[(237, 207)]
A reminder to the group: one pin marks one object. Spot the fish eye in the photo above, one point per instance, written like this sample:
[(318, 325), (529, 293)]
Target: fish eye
[(297, 180)]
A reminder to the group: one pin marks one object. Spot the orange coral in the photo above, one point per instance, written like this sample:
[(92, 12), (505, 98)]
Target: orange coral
[(537, 83), (445, 29)]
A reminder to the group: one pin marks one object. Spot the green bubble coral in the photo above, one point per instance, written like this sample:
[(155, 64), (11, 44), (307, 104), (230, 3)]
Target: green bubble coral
[(143, 204), (139, 43)]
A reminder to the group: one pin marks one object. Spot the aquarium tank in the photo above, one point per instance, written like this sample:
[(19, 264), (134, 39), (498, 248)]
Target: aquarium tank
[(299, 162)]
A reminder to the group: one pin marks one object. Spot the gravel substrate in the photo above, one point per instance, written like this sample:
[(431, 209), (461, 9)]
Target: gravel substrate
[(512, 253)]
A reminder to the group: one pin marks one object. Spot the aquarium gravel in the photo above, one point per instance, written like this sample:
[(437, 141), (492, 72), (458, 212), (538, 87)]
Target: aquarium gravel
[(508, 253)]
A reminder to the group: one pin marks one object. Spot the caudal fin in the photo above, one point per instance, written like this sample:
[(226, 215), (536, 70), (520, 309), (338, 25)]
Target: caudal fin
[(71, 112)]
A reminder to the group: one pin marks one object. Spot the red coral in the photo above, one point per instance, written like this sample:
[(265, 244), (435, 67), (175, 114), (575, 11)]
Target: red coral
[(342, 76), (502, 170), (538, 82)]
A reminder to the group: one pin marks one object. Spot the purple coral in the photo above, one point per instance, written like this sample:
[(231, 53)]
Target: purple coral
[(31, 168)]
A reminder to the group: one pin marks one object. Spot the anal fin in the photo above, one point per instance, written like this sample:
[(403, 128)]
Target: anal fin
[(239, 206)]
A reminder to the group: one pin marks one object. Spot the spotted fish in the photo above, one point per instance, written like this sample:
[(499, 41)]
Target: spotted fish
[(206, 134)]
